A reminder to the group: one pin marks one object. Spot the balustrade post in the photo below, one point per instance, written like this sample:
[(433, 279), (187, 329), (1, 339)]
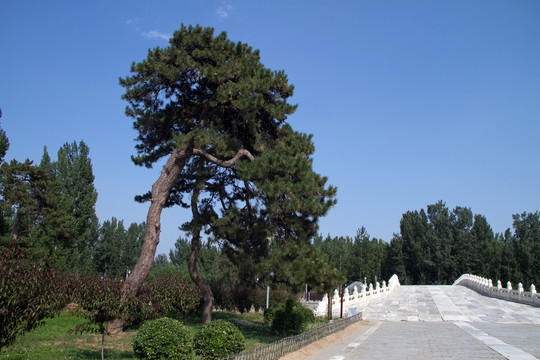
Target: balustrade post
[(533, 293), (346, 303), (335, 300), (509, 288), (355, 295)]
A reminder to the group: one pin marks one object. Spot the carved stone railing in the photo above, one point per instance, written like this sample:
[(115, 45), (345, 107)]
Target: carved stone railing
[(485, 286), (353, 302)]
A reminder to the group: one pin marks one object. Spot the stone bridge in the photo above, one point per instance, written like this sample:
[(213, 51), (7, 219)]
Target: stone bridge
[(439, 322)]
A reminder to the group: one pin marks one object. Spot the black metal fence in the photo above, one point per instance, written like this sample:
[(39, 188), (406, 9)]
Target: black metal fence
[(285, 346)]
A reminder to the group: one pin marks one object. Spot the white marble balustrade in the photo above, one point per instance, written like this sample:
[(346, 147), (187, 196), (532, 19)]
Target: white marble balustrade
[(485, 287), (353, 302)]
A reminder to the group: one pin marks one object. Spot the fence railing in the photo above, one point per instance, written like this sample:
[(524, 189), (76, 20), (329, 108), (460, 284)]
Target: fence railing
[(351, 302), (285, 346), (485, 286)]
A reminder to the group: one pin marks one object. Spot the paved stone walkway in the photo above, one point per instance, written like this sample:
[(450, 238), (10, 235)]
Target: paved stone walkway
[(441, 322)]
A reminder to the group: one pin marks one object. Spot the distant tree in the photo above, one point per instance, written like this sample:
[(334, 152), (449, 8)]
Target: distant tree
[(209, 260), (463, 253), (117, 249), (297, 265), (74, 172), (440, 241), (4, 146), (161, 260), (418, 255), (367, 258), (442, 245), (108, 252), (338, 250), (526, 242), (396, 260), (212, 108), (509, 269), (484, 247), (73, 176), (4, 142), (131, 246), (32, 213)]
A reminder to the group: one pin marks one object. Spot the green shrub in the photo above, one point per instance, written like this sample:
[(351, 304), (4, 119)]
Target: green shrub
[(289, 318), (163, 338), (30, 291), (162, 295), (269, 315), (219, 339), (173, 295)]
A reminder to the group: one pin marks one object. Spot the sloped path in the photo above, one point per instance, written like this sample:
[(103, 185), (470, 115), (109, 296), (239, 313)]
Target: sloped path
[(438, 322)]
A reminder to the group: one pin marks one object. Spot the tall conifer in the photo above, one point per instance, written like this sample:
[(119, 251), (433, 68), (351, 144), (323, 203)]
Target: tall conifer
[(211, 107)]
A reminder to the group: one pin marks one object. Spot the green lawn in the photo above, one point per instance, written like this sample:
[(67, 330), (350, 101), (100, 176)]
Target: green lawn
[(54, 340)]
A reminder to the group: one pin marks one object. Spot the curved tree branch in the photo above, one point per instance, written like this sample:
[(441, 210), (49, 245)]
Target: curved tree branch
[(224, 163)]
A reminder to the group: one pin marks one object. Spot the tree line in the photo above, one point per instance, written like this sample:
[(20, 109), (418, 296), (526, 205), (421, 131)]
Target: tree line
[(436, 245), (49, 210)]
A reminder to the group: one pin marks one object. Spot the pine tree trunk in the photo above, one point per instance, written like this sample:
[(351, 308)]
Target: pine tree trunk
[(202, 283), (160, 193)]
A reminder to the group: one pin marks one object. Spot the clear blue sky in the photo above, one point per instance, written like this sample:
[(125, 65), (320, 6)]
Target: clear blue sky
[(410, 102)]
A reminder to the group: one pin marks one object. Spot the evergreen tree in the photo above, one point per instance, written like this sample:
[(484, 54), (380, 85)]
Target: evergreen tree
[(75, 175), (396, 260), (108, 252), (509, 269), (131, 246), (4, 146), (439, 239), (418, 255), (526, 242), (4, 142), (32, 212), (463, 246), (484, 247), (338, 250), (440, 246), (213, 109), (117, 248)]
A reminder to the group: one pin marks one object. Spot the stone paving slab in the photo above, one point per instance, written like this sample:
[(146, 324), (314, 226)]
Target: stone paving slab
[(523, 336), (448, 303), (441, 322)]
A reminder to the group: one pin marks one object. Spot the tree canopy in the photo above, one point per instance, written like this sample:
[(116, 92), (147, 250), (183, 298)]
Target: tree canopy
[(219, 115)]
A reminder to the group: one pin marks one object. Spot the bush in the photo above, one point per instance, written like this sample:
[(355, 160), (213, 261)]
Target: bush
[(163, 338), (173, 296), (219, 339), (29, 293), (289, 318), (162, 295)]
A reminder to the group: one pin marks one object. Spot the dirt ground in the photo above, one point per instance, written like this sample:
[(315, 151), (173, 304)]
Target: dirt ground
[(315, 347)]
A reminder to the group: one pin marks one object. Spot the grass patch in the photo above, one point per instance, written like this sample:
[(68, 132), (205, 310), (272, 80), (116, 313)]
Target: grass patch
[(55, 339)]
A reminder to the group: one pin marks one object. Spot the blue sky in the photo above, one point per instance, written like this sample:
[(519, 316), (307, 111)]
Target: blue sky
[(410, 102)]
